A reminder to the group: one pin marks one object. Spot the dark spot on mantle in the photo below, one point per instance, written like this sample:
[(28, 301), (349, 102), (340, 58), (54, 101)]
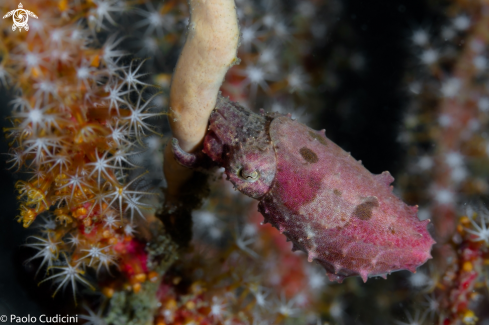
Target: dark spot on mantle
[(363, 211), (337, 192), (309, 155), (318, 137)]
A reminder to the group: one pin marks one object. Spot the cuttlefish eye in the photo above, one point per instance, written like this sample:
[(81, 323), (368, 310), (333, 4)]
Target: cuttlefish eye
[(247, 176)]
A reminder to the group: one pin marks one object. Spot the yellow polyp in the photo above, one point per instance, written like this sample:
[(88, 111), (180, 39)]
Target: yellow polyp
[(59, 180), (79, 140), (36, 197), (79, 193), (64, 219), (475, 295), (81, 212), (460, 229), (469, 318), (197, 287), (106, 234), (87, 222), (70, 99), (79, 117), (21, 186), (35, 72), (469, 313), (89, 133), (190, 305), (108, 292), (61, 211), (63, 5), (27, 222), (153, 276), (464, 221), (141, 277), (136, 287), (27, 216), (467, 266), (171, 304), (45, 184), (95, 61)]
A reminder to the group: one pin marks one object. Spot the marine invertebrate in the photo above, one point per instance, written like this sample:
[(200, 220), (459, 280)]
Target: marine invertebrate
[(479, 231), (316, 194), (458, 289), (68, 274), (76, 120)]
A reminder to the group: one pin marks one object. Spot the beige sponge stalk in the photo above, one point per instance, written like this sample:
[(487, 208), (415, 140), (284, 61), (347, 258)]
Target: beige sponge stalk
[(210, 50)]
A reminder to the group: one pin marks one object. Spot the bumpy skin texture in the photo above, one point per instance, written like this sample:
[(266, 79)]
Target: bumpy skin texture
[(323, 200)]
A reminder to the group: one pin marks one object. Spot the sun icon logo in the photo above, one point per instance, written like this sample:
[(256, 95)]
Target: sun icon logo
[(20, 17)]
